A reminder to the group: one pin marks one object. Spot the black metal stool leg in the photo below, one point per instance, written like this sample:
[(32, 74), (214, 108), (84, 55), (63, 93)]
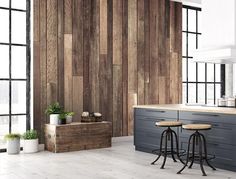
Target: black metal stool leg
[(205, 151), (200, 155), (160, 152), (165, 152), (193, 152), (172, 147), (177, 148), (186, 163)]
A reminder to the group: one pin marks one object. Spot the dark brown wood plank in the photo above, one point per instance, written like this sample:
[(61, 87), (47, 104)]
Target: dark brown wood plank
[(77, 60), (146, 50), (125, 67), (68, 16), (36, 67), (86, 54), (141, 52), (43, 65), (60, 44)]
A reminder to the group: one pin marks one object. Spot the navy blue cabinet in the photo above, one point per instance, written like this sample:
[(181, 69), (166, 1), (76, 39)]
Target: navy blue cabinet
[(146, 134), (220, 139)]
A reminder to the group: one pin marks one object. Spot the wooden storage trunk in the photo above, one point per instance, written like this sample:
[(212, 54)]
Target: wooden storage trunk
[(77, 136)]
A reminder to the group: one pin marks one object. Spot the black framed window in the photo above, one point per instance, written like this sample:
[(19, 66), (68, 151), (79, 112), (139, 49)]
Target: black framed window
[(14, 67), (203, 83)]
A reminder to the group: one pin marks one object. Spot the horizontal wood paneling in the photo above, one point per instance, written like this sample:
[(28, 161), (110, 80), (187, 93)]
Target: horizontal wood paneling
[(106, 56)]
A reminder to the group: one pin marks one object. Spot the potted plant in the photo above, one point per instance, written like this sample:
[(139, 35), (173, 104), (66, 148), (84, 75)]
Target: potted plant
[(62, 118), (30, 141), (54, 111), (13, 143), (69, 117)]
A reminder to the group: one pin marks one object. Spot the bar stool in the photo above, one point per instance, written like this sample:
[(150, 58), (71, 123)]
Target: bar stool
[(169, 135), (197, 138)]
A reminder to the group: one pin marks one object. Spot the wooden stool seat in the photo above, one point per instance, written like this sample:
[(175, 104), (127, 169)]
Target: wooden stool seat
[(196, 126), (169, 123)]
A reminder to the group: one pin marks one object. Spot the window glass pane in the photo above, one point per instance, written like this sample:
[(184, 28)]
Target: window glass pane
[(210, 72), (218, 91), (184, 22), (191, 93), (201, 72), (184, 43), (210, 93), (18, 62), (184, 69), (4, 129), (18, 4), (199, 22), (192, 20), (218, 73), (4, 3), (18, 124), (4, 61), (201, 93), (191, 44), (18, 97), (191, 70), (4, 29), (18, 31), (4, 97), (184, 93)]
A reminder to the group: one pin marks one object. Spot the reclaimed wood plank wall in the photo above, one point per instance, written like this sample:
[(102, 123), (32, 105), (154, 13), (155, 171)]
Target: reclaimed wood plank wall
[(106, 56)]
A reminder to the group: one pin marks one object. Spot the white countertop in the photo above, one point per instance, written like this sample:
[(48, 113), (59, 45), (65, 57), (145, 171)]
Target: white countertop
[(183, 107)]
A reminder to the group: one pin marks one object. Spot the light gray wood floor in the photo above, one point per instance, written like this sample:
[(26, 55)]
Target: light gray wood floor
[(119, 162)]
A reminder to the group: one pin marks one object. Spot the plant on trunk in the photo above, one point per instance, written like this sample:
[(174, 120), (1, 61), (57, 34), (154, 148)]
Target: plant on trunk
[(54, 108)]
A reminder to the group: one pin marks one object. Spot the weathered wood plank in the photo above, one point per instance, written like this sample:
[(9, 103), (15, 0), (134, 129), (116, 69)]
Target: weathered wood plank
[(60, 44), (141, 52), (117, 32), (43, 65), (68, 86), (154, 64), (125, 66), (132, 100), (103, 26), (86, 54), (117, 100), (77, 33), (68, 16), (146, 50), (94, 60), (36, 67), (77, 97), (132, 46), (52, 63)]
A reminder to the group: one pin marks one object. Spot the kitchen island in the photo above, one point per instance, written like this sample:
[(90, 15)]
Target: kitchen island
[(220, 139)]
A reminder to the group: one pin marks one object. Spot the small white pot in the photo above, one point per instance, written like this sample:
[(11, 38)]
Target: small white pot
[(31, 146), (68, 119), (13, 146), (54, 119)]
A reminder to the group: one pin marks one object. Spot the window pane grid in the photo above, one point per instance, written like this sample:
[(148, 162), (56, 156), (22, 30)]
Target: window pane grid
[(15, 104), (201, 83)]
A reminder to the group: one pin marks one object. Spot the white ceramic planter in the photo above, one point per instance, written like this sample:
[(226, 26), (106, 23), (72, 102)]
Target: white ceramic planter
[(54, 119), (68, 119), (31, 146), (13, 146)]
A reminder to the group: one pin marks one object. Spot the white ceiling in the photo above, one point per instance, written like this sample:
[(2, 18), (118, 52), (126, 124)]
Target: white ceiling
[(190, 2)]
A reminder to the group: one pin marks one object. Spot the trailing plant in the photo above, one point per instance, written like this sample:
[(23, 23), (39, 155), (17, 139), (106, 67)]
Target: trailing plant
[(54, 108), (30, 134), (12, 136)]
